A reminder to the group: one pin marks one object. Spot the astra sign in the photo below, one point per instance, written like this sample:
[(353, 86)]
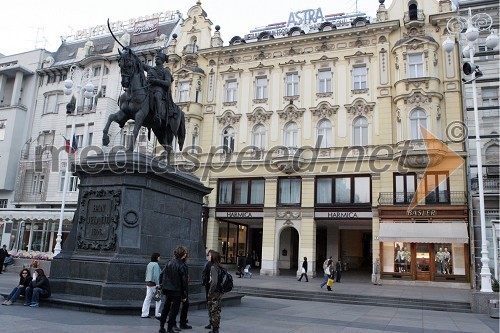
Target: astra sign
[(308, 16)]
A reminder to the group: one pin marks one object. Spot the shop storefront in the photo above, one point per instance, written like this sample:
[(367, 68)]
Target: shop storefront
[(424, 244)]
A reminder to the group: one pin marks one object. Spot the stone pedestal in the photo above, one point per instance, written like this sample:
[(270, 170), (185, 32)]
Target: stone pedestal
[(129, 206)]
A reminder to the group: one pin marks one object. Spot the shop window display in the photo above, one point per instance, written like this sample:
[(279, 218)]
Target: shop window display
[(443, 259), (402, 257)]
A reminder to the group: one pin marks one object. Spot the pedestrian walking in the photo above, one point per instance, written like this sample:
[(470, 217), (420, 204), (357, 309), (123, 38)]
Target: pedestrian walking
[(338, 270), (24, 281), (152, 282), (39, 288), (174, 285), (248, 265), (327, 270), (3, 254), (205, 279), (304, 270), (376, 272), (214, 293)]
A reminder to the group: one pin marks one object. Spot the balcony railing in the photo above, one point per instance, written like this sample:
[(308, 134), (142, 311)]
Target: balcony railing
[(489, 184), (405, 198)]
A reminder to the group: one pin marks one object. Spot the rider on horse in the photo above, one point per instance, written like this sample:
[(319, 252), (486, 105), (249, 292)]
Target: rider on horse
[(160, 95)]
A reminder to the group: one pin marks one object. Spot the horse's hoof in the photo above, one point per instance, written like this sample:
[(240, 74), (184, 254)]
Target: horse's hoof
[(105, 140)]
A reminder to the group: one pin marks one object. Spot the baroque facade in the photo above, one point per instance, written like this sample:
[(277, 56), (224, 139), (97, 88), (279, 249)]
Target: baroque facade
[(311, 139)]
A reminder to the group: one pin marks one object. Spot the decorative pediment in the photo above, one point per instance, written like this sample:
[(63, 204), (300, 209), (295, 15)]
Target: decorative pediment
[(324, 110), (359, 107), (231, 70), (228, 118), (288, 214), (418, 99), (291, 112), (259, 116), (293, 62)]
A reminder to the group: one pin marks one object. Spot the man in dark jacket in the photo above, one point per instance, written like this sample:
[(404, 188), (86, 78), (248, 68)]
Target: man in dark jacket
[(175, 287), (205, 278), (3, 254), (38, 288), (338, 270)]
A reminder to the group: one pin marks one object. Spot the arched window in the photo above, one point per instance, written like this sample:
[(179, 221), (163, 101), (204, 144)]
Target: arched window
[(324, 134), (228, 140), (492, 157), (417, 118), (360, 131), (413, 12), (259, 136), (291, 132)]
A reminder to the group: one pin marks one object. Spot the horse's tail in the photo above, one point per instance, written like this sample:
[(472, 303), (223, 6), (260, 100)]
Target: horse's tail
[(181, 131)]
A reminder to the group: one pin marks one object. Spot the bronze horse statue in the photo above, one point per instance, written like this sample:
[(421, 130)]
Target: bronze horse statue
[(134, 104)]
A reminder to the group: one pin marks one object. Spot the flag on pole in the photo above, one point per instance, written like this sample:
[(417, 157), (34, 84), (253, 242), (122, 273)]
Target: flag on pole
[(74, 147)]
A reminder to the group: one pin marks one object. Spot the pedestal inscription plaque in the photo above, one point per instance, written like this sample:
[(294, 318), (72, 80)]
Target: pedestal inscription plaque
[(98, 220)]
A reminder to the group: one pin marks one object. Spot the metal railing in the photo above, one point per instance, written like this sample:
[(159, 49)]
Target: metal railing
[(489, 184), (405, 198)]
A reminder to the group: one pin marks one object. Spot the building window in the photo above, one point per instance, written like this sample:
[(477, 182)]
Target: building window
[(241, 192), (79, 140), (3, 124), (415, 65), (261, 88), (289, 191), (486, 50), (343, 190), (324, 134), (72, 182), (291, 133), (292, 84), (52, 102), (232, 242), (231, 91), (359, 74), (228, 140), (97, 71), (3, 203), (360, 131), (324, 81), (418, 119), (37, 186), (404, 188), (489, 96), (184, 92), (436, 188), (259, 137)]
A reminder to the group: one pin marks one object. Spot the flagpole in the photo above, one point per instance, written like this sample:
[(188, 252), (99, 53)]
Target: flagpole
[(79, 76)]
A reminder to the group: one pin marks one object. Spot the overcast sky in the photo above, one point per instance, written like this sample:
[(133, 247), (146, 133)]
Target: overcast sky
[(29, 24)]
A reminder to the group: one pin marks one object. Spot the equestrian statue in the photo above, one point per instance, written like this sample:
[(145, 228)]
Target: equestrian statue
[(147, 100)]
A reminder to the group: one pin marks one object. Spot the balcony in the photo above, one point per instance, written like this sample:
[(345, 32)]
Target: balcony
[(414, 18), (405, 198), (490, 185), (420, 153)]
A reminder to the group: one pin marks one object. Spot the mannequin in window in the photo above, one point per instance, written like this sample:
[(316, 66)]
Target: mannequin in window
[(398, 259), (405, 259), (446, 261), (439, 260)]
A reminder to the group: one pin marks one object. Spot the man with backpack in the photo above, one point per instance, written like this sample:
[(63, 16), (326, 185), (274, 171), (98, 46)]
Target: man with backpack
[(220, 282)]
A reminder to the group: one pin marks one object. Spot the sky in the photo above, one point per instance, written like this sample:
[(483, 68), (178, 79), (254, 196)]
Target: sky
[(32, 24)]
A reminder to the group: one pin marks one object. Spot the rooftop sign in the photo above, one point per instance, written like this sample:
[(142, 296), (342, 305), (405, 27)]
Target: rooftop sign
[(308, 19)]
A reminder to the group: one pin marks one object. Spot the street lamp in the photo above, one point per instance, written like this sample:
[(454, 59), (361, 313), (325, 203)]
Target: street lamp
[(472, 26), (79, 77)]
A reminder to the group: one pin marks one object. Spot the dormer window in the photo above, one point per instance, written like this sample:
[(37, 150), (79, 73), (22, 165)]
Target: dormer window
[(413, 12)]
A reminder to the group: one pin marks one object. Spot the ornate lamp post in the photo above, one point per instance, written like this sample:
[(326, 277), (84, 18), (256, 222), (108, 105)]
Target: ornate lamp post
[(472, 26), (79, 77)]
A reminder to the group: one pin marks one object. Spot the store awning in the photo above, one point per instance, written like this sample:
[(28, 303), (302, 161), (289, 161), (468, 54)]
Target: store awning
[(35, 214), (424, 232)]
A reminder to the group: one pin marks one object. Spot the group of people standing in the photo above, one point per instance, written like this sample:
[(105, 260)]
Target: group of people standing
[(173, 281)]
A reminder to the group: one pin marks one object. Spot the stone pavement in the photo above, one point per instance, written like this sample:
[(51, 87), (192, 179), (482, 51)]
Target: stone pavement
[(268, 314)]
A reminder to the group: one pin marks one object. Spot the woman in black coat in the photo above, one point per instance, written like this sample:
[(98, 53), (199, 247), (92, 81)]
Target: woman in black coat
[(24, 282), (304, 270), (39, 287)]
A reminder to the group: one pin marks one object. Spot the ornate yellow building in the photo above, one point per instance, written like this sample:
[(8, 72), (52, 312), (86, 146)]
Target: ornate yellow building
[(312, 141)]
